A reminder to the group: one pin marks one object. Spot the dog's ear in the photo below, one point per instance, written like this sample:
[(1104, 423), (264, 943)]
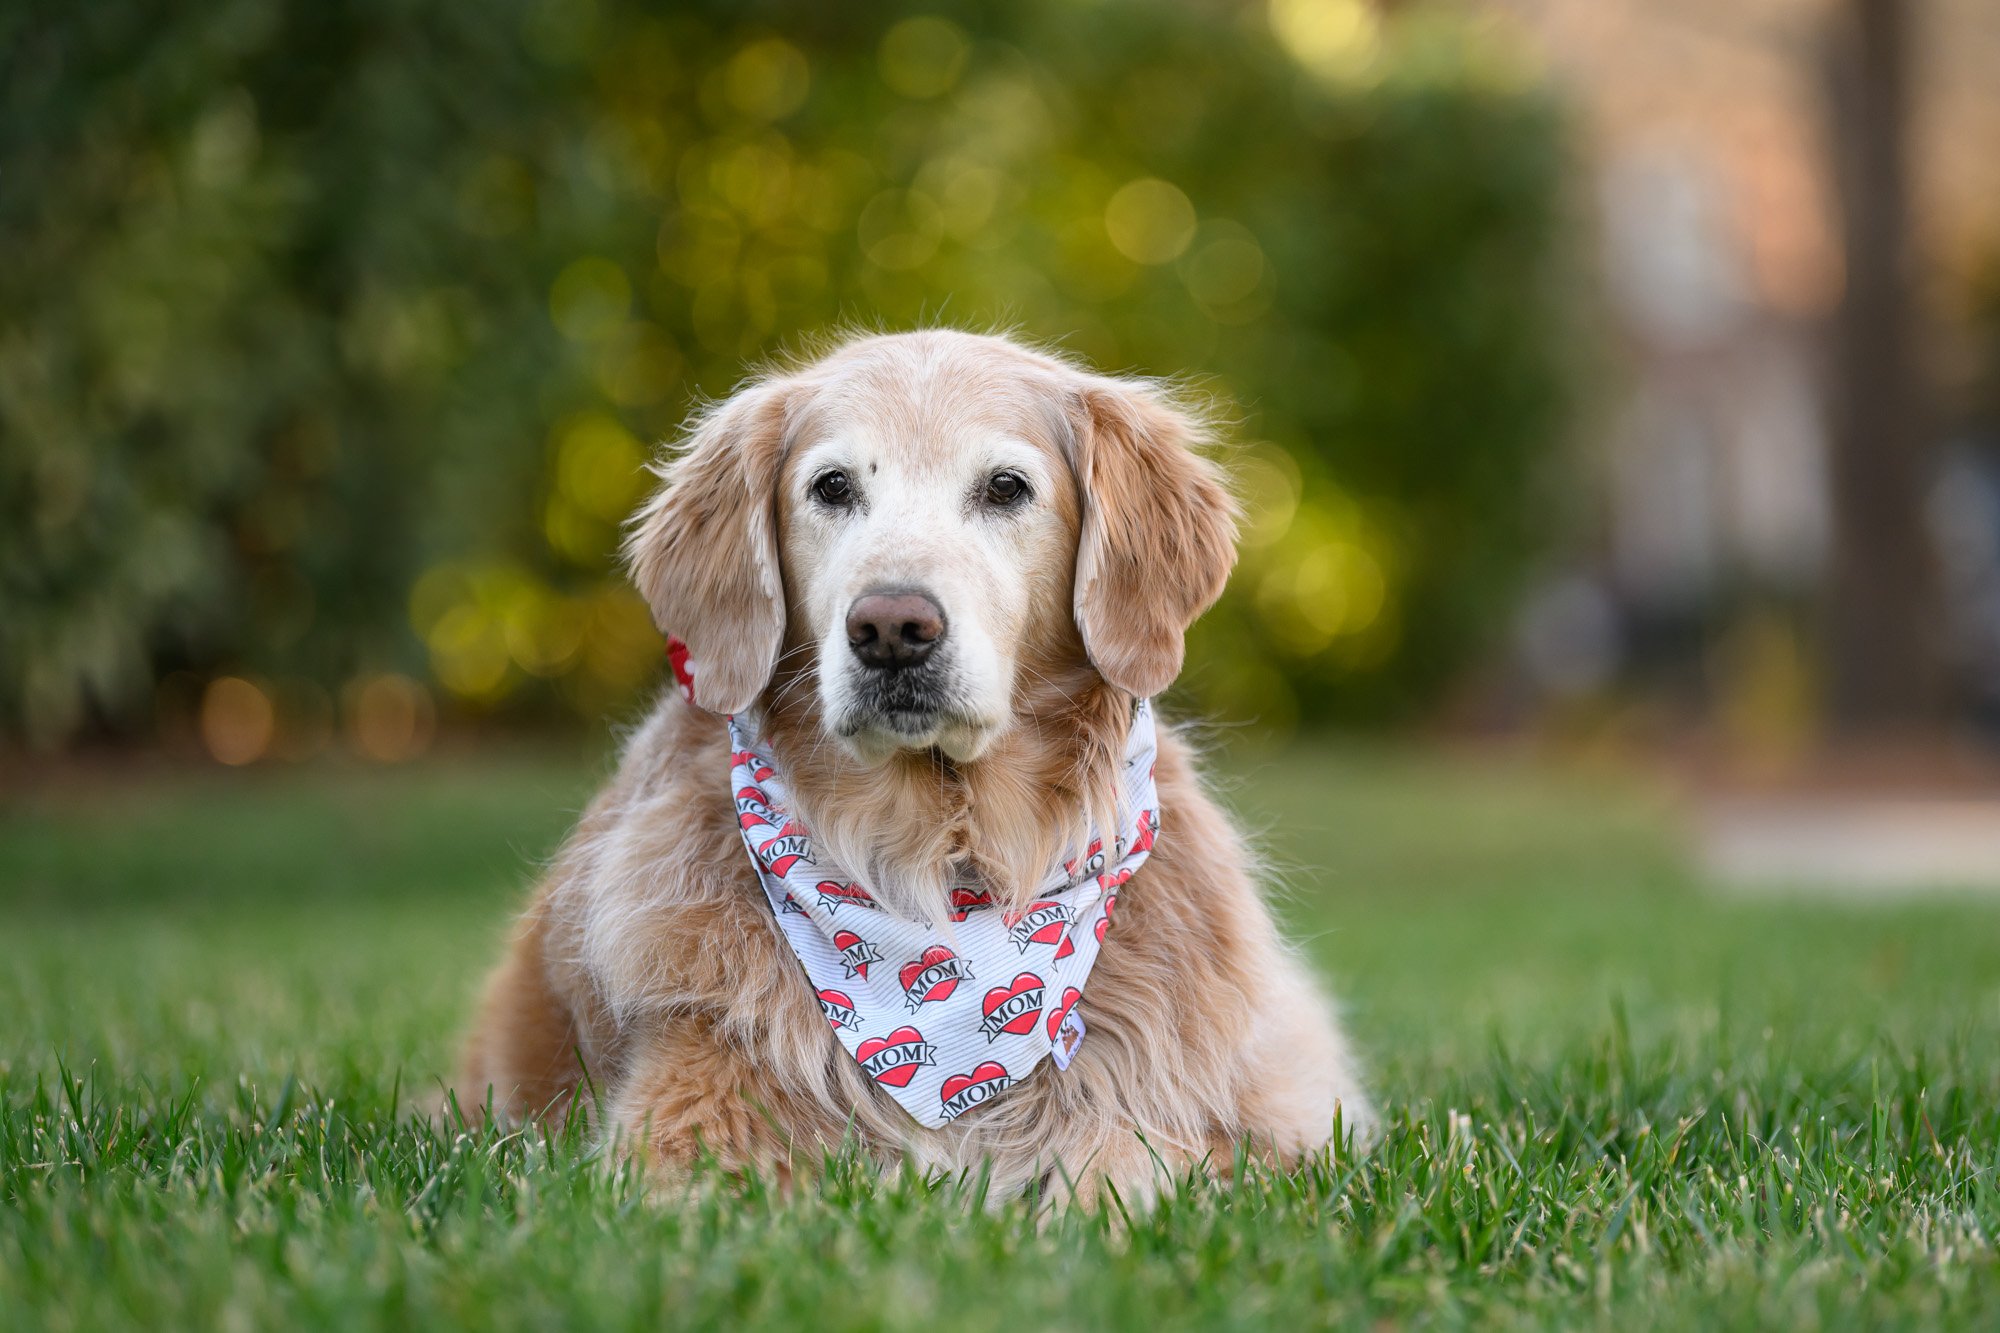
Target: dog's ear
[(1158, 533), (704, 550)]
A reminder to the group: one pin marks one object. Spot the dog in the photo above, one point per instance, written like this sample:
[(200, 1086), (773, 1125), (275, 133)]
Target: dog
[(937, 573)]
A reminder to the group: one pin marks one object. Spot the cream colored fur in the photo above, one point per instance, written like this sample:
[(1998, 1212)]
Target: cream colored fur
[(650, 957)]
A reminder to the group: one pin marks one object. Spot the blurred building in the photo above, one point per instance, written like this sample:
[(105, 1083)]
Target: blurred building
[(1708, 126)]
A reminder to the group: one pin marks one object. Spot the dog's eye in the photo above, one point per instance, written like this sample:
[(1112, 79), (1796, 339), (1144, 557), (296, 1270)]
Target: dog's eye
[(1006, 488), (833, 488)]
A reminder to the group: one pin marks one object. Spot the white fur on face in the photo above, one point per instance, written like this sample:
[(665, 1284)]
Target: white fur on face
[(919, 521)]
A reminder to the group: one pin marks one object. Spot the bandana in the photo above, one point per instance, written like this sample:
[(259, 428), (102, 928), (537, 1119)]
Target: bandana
[(943, 1018)]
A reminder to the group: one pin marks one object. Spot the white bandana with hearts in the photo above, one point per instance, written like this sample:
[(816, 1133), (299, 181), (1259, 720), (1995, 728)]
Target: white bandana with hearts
[(943, 1018)]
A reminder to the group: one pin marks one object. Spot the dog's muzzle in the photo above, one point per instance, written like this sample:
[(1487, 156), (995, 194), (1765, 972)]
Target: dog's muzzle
[(897, 636)]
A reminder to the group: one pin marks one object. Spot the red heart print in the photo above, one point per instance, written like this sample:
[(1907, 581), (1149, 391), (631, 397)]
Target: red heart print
[(753, 807), (957, 1083), (839, 1009), (1044, 921), (1056, 1015), (834, 895), (856, 953), (894, 1059), (932, 975), (1013, 1008), (759, 770), (786, 850), (966, 901)]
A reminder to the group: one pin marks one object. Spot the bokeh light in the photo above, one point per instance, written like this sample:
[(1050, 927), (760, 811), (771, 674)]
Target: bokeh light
[(238, 720), (590, 299), (1150, 221), (922, 57), (768, 79), (388, 717), (1336, 39)]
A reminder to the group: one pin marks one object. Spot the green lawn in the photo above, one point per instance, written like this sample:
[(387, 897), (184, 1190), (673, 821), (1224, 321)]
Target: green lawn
[(1616, 1098)]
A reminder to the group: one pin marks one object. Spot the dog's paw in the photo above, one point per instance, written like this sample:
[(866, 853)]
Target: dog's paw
[(1126, 1174)]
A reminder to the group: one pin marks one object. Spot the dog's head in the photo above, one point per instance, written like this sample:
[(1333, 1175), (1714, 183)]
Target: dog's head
[(928, 518)]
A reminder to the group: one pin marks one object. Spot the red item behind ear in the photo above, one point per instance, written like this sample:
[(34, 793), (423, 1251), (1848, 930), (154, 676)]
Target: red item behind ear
[(677, 658)]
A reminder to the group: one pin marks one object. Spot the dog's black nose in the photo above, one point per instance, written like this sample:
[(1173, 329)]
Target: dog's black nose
[(893, 630)]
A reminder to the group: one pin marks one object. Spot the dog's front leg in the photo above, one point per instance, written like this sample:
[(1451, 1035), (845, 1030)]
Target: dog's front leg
[(690, 1095)]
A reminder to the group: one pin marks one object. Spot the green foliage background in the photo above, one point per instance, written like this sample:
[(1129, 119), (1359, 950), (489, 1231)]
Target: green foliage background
[(333, 336)]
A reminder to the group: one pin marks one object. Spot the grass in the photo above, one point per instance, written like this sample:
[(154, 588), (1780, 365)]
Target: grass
[(1617, 1098)]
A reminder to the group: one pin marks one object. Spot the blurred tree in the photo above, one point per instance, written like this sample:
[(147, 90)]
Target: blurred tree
[(249, 336), (1883, 608), (334, 334)]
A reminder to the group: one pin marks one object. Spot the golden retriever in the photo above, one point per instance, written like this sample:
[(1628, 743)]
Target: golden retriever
[(1041, 538)]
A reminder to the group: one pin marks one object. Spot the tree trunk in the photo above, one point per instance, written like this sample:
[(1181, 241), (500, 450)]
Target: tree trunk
[(1882, 630)]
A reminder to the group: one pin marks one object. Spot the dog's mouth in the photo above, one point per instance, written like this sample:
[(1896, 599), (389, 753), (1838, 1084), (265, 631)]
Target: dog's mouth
[(909, 703), (909, 710)]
